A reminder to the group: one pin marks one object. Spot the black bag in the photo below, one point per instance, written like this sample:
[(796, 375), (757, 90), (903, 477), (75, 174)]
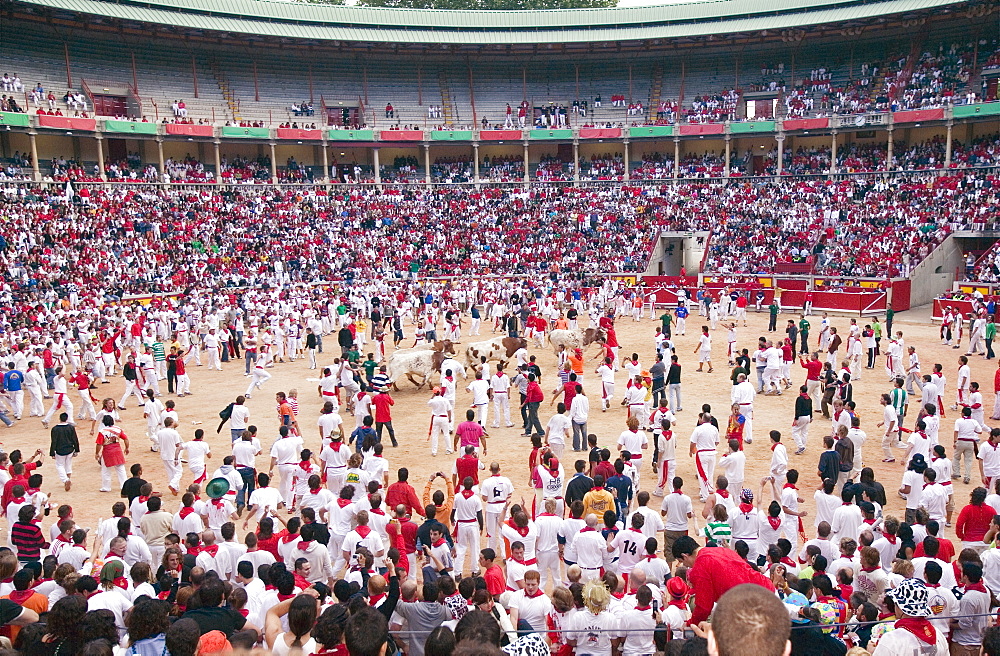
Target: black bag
[(226, 412)]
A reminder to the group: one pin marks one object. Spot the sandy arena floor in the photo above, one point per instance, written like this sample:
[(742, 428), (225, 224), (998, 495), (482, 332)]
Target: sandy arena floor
[(213, 390)]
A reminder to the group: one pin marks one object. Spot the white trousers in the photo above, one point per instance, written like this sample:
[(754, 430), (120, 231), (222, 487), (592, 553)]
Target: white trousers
[(87, 410), (501, 405), (174, 471), (17, 397), (285, 487), (37, 405), (213, 359), (106, 476), (64, 467), (548, 566), (183, 384), (131, 388), (467, 542), (706, 484), (800, 431), (493, 531), (258, 379), (60, 403), (440, 427), (152, 382)]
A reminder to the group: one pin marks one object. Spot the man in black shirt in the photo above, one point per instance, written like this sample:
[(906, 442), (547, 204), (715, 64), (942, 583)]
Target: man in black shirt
[(658, 372), (211, 616), (131, 487), (63, 446), (674, 385), (579, 485), (424, 530)]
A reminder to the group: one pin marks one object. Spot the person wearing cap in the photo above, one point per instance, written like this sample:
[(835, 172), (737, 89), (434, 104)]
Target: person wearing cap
[(676, 613), (912, 632)]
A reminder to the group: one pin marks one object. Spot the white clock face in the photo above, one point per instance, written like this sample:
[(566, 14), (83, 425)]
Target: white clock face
[(859, 121)]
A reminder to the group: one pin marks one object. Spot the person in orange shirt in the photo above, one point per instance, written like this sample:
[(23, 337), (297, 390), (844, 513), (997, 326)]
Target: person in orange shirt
[(286, 416), (24, 596), (443, 501), (576, 361)]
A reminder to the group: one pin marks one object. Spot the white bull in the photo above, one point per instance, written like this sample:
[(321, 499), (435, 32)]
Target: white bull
[(569, 338), (491, 349), (409, 362)]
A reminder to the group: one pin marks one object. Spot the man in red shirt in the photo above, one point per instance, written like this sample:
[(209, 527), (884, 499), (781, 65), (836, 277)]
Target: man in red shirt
[(401, 493), (532, 399), (496, 584), (402, 534), (813, 369), (713, 571), (467, 466), (383, 415)]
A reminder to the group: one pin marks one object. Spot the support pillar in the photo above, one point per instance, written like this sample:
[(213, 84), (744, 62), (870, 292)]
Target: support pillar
[(888, 152), (159, 156), (947, 145), (274, 165), (475, 163), (625, 143), (833, 153), (326, 162), (576, 161), (781, 152), (729, 139), (35, 170), (427, 164), (677, 157), (378, 168), (527, 175), (100, 155), (218, 159)]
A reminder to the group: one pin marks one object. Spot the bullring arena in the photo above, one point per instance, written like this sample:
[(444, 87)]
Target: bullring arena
[(207, 192)]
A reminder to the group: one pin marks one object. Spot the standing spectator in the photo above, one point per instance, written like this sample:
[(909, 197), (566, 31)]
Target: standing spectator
[(383, 414)]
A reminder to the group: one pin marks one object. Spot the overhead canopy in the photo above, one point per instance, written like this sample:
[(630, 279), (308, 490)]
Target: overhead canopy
[(294, 20)]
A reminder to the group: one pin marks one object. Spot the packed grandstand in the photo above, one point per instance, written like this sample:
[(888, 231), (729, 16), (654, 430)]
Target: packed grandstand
[(201, 177)]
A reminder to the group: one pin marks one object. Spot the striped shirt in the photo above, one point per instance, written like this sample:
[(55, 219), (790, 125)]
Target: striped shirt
[(720, 532), (28, 539)]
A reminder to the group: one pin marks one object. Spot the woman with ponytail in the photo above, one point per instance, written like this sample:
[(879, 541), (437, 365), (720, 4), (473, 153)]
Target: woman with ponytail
[(302, 611)]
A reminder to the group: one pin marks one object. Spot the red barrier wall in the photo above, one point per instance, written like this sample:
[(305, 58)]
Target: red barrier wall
[(67, 122), (189, 130), (806, 124), (918, 115), (401, 135), (600, 133), (297, 133), (701, 128), (500, 135)]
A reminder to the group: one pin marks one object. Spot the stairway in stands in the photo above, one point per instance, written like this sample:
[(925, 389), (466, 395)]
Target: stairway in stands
[(448, 110), (223, 82), (655, 91)]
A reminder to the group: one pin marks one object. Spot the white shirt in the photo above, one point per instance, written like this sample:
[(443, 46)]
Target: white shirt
[(496, 490), (240, 416), (990, 455), (558, 429), (196, 451), (779, 460), (286, 450), (169, 440), (967, 429), (705, 437), (677, 509), (579, 409), (480, 392), (743, 393), (916, 483), (635, 442)]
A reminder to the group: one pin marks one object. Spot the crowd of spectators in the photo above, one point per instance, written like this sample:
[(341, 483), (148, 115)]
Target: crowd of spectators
[(714, 108), (167, 238), (452, 170), (502, 168)]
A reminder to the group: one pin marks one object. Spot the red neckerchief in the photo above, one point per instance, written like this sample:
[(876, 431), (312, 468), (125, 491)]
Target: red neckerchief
[(723, 493), (870, 522), (343, 503), (363, 531), (374, 599), (787, 561), (285, 597), (539, 593), (521, 530), (775, 522), (468, 494), (919, 627), (677, 492), (187, 510), (746, 507), (870, 569), (211, 551), (121, 582), (285, 539), (17, 500), (641, 608), (60, 538), (143, 499), (110, 554), (587, 528), (39, 582), (979, 587), (336, 444), (304, 545), (775, 445), (218, 503), (616, 595), (791, 485), (377, 511), (439, 542), (891, 539), (304, 466), (21, 596), (316, 491), (244, 612)]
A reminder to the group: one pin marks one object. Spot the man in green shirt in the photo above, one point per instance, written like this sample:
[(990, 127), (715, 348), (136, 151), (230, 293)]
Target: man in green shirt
[(877, 330), (889, 314), (370, 367), (990, 334), (353, 355), (772, 322), (804, 327), (899, 401), (665, 320)]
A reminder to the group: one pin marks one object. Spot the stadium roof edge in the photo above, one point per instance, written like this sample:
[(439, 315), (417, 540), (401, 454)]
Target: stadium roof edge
[(380, 25)]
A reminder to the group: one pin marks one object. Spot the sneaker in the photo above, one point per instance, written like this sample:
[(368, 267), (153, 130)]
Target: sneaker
[(799, 452), (965, 480), (658, 492), (247, 396)]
